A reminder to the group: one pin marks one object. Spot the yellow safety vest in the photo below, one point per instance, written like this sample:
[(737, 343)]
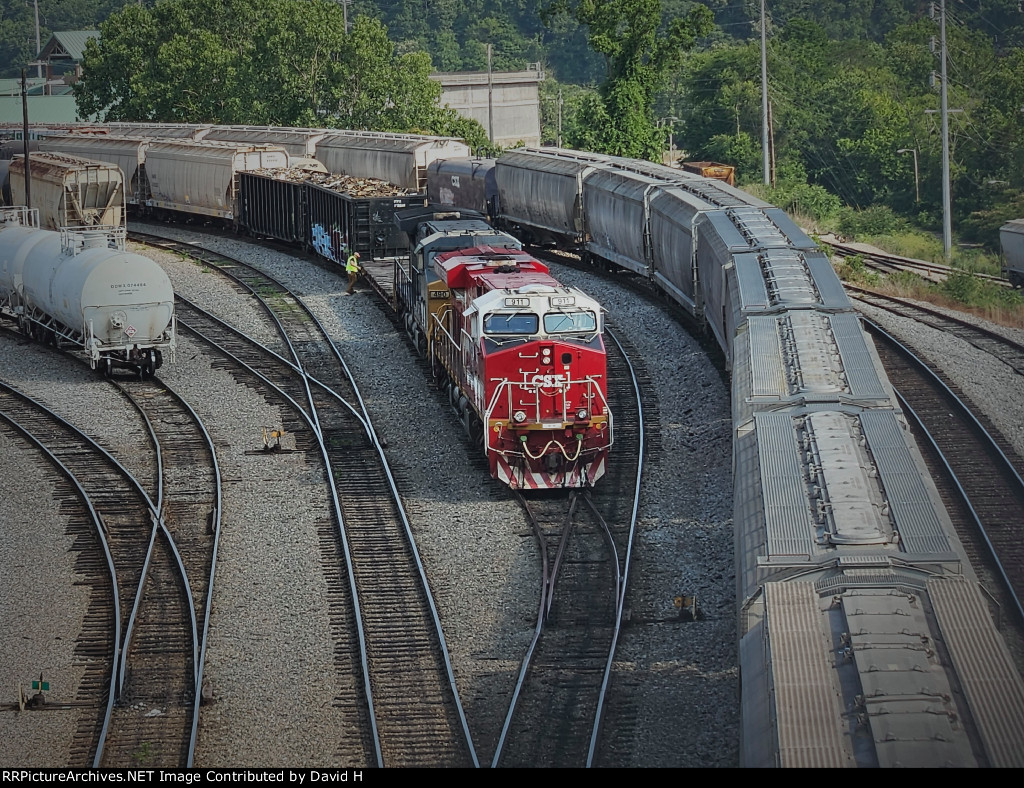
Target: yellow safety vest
[(351, 266)]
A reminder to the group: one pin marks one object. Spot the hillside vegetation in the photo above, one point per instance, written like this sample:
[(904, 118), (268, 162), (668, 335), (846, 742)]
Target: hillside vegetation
[(852, 89)]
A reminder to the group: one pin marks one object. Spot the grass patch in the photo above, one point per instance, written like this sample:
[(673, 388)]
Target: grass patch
[(852, 269), (962, 291)]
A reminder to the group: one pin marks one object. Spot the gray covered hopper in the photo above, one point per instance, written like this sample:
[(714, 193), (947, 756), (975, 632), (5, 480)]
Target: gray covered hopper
[(401, 159), (128, 153), (202, 177)]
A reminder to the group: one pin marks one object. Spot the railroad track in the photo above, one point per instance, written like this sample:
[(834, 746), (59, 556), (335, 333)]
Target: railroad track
[(1004, 349), (891, 263), (159, 537), (160, 681), (585, 540), (72, 454), (407, 706), (975, 473)]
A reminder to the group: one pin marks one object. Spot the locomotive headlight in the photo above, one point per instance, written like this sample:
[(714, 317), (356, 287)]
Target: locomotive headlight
[(582, 414), (519, 416), (545, 356)]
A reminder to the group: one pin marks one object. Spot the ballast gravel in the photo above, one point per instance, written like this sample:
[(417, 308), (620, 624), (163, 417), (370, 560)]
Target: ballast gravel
[(269, 659)]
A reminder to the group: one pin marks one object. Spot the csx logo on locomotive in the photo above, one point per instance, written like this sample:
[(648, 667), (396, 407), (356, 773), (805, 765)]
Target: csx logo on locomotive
[(548, 381)]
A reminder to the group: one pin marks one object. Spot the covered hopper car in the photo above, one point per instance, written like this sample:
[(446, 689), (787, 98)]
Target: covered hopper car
[(1011, 239), (70, 191), (864, 634)]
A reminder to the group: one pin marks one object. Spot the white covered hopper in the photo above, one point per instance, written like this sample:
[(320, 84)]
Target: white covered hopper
[(202, 177)]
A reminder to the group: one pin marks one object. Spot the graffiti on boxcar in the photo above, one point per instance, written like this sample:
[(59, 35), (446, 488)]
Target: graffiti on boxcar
[(331, 245)]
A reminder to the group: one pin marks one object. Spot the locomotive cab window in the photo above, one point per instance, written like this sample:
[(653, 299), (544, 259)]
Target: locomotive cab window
[(576, 322), (511, 323)]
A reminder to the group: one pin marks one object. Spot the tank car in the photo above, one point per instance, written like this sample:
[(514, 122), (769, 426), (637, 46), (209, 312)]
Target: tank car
[(521, 355), (82, 289)]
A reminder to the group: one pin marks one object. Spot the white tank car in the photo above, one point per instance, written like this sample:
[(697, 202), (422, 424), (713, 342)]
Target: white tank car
[(83, 289)]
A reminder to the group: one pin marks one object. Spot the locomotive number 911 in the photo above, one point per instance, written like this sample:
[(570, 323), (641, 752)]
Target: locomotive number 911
[(521, 356)]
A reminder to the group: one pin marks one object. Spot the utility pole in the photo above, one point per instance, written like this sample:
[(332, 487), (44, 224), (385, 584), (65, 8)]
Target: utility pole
[(39, 45), (764, 96), (24, 138), (947, 226), (490, 98)]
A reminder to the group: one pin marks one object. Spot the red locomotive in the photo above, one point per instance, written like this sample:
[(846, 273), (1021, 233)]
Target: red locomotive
[(528, 359), (523, 356)]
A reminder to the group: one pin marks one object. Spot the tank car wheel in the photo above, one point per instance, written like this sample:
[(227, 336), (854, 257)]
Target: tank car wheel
[(149, 368)]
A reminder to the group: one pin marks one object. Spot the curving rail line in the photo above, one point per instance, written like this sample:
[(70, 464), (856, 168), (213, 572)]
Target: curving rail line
[(892, 263), (558, 703), (1001, 347), (979, 470), (152, 710), (415, 713)]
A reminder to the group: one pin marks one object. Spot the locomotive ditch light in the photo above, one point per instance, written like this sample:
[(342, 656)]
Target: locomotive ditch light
[(519, 416), (582, 415)]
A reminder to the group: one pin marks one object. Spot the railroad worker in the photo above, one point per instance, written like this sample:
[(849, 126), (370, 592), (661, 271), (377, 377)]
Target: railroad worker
[(352, 269)]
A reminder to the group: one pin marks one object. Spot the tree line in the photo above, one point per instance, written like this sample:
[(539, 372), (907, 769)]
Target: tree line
[(851, 89)]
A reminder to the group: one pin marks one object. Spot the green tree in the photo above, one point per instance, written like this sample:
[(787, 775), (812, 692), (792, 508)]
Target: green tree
[(17, 37), (278, 62), (639, 52)]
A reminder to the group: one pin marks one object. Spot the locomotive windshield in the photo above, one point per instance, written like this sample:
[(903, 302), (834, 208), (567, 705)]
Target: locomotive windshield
[(576, 322), (511, 323)]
